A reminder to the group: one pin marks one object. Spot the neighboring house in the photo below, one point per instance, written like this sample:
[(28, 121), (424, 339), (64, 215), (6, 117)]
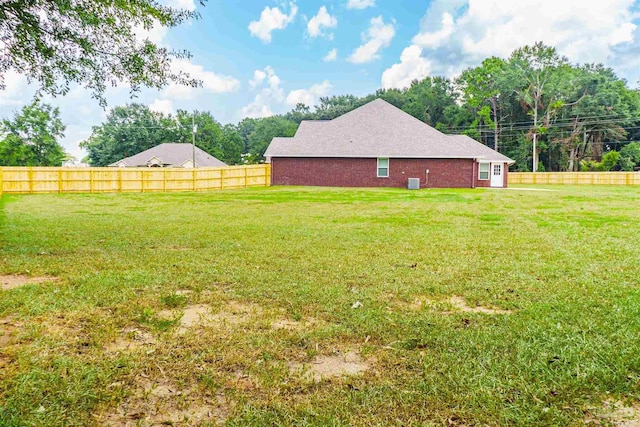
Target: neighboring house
[(169, 155), (379, 145)]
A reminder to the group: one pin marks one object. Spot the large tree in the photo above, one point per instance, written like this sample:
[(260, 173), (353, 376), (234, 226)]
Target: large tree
[(222, 142), (482, 88), (133, 128), (31, 137), (532, 69), (93, 43), (265, 130), (128, 130)]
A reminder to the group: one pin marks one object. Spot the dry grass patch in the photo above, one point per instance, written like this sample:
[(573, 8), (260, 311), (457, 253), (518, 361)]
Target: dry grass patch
[(295, 325), (132, 339), (163, 403), (454, 304), (460, 304), (234, 313), (340, 364), (11, 281), (8, 330)]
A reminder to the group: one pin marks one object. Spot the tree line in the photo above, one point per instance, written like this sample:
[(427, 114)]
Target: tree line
[(535, 107)]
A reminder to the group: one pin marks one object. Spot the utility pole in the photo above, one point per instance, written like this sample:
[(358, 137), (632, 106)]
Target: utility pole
[(535, 154), (193, 139)]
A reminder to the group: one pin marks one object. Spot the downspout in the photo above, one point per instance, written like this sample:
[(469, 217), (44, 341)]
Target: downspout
[(474, 173)]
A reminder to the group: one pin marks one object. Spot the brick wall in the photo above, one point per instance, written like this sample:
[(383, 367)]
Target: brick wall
[(350, 172)]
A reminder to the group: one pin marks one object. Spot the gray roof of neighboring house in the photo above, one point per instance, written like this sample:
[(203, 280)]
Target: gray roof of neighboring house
[(378, 129), (171, 154)]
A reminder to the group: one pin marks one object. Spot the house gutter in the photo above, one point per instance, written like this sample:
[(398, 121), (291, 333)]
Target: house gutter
[(473, 176)]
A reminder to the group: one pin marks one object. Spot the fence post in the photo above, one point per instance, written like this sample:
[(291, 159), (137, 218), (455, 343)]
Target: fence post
[(1, 181), (164, 176), (91, 180), (30, 178), (222, 179), (194, 177), (119, 180), (246, 178), (142, 181)]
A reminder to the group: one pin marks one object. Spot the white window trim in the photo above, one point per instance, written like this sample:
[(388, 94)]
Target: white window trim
[(378, 167), (488, 171)]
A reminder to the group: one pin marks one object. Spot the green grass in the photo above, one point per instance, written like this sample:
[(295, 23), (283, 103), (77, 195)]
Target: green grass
[(566, 263)]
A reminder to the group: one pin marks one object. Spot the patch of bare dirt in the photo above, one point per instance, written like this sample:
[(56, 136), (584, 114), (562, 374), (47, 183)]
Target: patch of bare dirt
[(11, 281), (337, 365), (460, 305), (233, 313), (616, 414), (131, 340), (192, 316), (457, 303), (162, 403)]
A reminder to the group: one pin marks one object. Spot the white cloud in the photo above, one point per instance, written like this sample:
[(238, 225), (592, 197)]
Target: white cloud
[(211, 82), (378, 37), (268, 95), (256, 111), (272, 18), (412, 66), (258, 78), (15, 90), (164, 106), (309, 96), (469, 31), (155, 34), (436, 38), (321, 21), (182, 4), (331, 56), (360, 4)]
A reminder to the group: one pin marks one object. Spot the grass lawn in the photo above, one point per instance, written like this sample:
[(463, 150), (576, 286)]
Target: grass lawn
[(306, 306)]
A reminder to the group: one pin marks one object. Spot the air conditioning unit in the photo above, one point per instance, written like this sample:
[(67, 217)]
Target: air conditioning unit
[(413, 184)]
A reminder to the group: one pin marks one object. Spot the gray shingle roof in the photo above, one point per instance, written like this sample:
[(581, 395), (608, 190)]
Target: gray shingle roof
[(378, 129), (171, 155)]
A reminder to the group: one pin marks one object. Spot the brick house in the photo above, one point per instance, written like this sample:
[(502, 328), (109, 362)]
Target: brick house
[(379, 145)]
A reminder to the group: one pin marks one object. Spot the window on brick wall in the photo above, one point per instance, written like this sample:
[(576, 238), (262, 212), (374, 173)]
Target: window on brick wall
[(483, 171), (383, 167)]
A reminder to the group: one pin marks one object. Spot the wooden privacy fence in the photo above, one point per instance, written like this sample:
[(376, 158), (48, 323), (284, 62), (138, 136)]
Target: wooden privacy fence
[(575, 178), (32, 180)]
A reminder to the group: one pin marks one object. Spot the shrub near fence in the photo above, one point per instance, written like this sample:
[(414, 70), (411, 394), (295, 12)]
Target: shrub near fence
[(32, 180), (575, 178)]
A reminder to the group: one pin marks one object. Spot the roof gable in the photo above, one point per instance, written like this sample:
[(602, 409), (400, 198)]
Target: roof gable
[(170, 154)]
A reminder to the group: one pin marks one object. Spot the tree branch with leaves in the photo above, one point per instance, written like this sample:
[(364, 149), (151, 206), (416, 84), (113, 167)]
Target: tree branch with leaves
[(92, 43)]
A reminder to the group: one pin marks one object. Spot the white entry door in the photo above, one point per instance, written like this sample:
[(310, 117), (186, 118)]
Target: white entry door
[(497, 175)]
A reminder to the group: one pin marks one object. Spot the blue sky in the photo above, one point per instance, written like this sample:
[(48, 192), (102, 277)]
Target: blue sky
[(260, 57)]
